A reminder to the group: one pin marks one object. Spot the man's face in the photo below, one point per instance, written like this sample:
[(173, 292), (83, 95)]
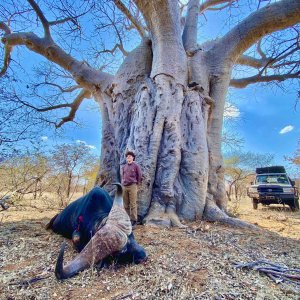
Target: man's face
[(129, 159)]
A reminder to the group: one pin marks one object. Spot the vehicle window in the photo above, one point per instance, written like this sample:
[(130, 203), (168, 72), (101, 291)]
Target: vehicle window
[(272, 178)]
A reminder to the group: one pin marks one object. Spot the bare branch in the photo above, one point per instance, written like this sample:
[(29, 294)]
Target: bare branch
[(61, 21), (112, 51), (220, 7), (71, 18), (190, 29), (84, 94), (7, 50), (276, 58), (209, 4), (133, 20), (5, 28), (6, 60), (271, 62), (259, 50), (247, 60), (63, 90), (74, 107), (273, 17), (243, 82), (288, 53), (83, 74), (42, 17), (48, 108)]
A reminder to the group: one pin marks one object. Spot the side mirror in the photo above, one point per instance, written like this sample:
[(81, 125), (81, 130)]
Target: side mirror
[(293, 182)]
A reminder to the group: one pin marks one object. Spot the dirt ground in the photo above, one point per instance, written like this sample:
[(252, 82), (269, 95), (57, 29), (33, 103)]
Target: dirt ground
[(192, 263)]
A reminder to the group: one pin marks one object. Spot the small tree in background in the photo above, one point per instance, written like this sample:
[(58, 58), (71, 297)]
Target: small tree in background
[(294, 160), (25, 173), (294, 165), (35, 172), (90, 176), (239, 170), (69, 163)]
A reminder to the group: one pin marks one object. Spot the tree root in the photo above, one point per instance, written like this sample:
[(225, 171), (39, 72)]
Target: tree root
[(213, 213), (161, 217), (174, 218)]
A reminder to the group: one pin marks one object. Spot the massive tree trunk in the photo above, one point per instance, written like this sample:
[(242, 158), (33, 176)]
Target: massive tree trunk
[(170, 114)]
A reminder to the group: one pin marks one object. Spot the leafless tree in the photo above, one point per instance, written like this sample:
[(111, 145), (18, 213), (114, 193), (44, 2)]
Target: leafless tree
[(24, 174), (294, 163), (166, 100), (70, 161), (240, 168)]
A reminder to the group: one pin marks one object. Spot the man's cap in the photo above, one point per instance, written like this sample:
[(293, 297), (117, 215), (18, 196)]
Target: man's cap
[(130, 153)]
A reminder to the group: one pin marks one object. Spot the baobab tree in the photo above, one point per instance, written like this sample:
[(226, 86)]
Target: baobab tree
[(166, 100)]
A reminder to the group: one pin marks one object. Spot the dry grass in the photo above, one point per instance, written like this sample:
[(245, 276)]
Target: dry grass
[(192, 263)]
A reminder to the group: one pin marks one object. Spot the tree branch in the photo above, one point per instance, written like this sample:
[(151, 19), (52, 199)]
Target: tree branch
[(63, 90), (84, 94), (74, 107), (270, 62), (5, 28), (190, 29), (247, 60), (83, 74), (210, 3), (42, 17), (280, 56), (71, 18), (259, 50), (112, 51), (120, 5), (7, 50), (270, 18), (243, 82), (163, 21)]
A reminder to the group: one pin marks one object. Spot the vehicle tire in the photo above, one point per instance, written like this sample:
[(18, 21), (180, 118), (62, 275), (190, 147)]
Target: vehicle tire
[(295, 205), (255, 203)]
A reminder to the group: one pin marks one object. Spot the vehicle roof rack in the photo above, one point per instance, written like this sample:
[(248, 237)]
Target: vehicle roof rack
[(272, 169)]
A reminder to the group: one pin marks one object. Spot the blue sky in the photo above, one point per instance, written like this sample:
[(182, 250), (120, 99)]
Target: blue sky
[(263, 111), (88, 131), (269, 122)]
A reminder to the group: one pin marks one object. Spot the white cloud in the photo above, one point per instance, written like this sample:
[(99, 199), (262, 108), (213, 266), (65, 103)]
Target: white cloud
[(44, 138), (286, 129), (231, 111), (85, 143), (80, 142)]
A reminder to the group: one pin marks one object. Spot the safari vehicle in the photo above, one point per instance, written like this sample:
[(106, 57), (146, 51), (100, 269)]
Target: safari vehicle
[(273, 186)]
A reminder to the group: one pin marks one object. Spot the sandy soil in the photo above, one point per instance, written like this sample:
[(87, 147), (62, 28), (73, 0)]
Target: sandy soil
[(192, 263)]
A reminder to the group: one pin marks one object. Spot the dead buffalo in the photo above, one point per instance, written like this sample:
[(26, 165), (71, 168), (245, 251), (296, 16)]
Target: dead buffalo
[(100, 229)]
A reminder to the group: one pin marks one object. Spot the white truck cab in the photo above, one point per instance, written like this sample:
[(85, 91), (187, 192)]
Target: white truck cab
[(273, 186)]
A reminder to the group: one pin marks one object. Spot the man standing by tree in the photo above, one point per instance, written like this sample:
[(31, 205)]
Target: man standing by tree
[(131, 177)]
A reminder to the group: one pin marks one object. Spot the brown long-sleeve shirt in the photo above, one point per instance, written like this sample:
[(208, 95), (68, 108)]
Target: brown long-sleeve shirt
[(131, 173)]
